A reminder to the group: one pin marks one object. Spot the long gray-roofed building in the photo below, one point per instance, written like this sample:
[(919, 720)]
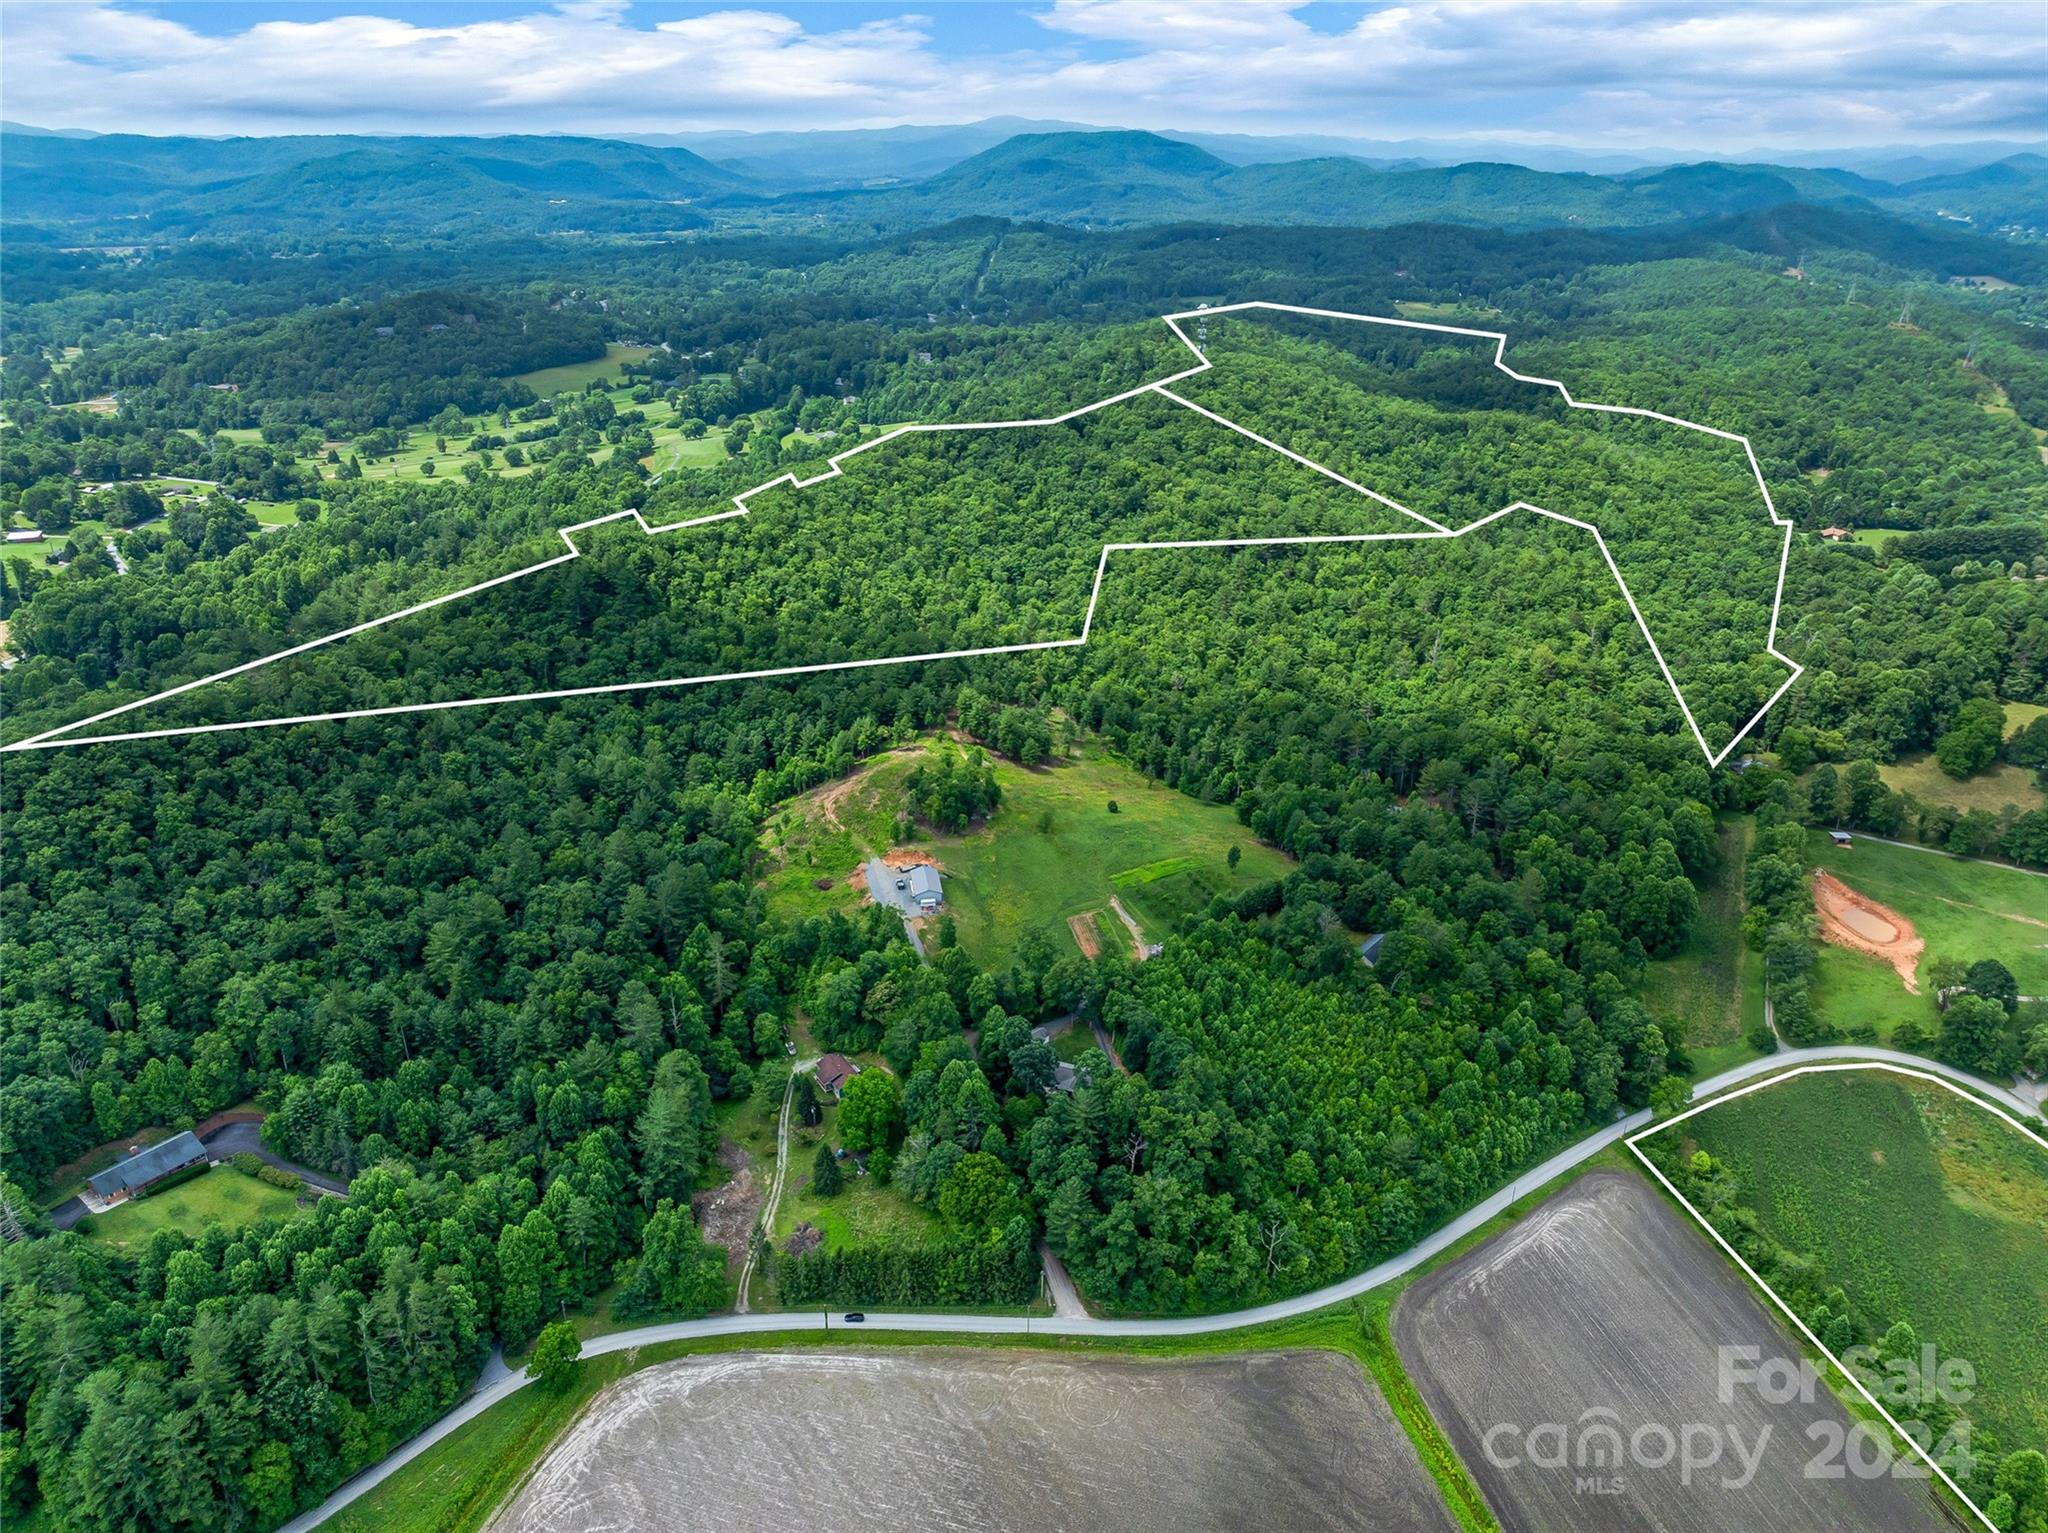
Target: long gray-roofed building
[(145, 1168)]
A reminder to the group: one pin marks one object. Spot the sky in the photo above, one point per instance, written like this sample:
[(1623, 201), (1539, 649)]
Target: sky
[(1603, 74)]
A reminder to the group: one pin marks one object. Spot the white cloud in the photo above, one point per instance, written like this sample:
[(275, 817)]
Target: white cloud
[(1622, 73)]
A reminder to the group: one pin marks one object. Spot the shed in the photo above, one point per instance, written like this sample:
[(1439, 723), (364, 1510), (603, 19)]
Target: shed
[(1840, 837), (1836, 534), (834, 1071), (145, 1168), (24, 534), (1369, 949)]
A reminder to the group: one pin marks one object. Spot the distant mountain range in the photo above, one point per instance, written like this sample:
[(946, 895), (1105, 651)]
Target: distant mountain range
[(125, 186), (235, 186), (1125, 178)]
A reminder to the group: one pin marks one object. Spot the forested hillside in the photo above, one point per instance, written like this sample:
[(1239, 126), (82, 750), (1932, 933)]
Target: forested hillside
[(508, 971)]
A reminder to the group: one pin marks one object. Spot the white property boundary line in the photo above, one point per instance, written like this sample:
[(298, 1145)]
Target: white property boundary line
[(63, 735), (1634, 1144)]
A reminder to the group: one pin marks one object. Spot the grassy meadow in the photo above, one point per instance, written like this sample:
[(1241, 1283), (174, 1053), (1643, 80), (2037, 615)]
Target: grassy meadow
[(574, 377), (1922, 1206), (1991, 790), (1052, 850)]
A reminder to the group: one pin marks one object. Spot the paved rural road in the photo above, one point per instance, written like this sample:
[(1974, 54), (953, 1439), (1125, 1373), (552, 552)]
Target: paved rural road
[(491, 1389)]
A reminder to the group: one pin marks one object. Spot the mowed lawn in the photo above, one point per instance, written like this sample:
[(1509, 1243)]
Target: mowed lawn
[(224, 1195), (1713, 991), (1054, 850), (1922, 1206), (1962, 911)]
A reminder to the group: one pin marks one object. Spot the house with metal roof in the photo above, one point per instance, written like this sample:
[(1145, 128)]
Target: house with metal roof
[(922, 884), (145, 1168)]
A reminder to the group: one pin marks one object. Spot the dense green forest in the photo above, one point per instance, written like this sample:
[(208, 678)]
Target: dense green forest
[(502, 969)]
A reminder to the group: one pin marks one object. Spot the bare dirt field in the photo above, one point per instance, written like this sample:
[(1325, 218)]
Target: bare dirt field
[(1576, 1363), (1083, 928), (943, 1439), (1859, 923)]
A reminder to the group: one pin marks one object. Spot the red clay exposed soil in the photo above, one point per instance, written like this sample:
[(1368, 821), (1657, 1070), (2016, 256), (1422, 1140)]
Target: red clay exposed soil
[(1859, 923), (1083, 928)]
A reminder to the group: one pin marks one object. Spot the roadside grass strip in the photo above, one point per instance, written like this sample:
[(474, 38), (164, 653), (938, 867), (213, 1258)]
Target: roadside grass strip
[(1634, 1142), (1428, 530)]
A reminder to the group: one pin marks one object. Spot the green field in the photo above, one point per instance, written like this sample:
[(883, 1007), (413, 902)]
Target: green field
[(545, 381), (1010, 876), (1992, 789), (861, 1211), (673, 450), (1851, 990), (223, 1195), (1962, 911), (1922, 1206), (1162, 853), (2019, 715), (1713, 991)]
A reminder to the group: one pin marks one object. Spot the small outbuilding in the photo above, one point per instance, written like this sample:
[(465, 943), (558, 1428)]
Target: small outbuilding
[(24, 534), (1369, 949), (145, 1168), (834, 1071), (1841, 837), (1837, 534)]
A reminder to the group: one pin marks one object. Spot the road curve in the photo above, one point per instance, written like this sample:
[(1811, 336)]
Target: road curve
[(492, 1390)]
